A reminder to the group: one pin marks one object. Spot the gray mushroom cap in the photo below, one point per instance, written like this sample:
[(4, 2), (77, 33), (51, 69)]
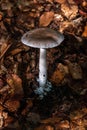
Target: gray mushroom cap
[(42, 38)]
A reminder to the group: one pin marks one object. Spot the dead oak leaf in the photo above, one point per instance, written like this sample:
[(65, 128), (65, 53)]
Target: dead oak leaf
[(46, 18)]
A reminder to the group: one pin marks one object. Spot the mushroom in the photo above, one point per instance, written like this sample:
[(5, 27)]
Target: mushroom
[(42, 38)]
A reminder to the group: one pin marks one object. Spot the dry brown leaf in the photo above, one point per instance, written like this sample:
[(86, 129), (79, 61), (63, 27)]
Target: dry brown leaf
[(15, 83), (0, 17), (59, 74), (1, 108), (75, 70), (29, 104), (64, 124), (49, 127), (57, 77), (78, 114), (52, 120), (16, 51), (84, 34), (3, 46), (46, 18), (60, 1), (50, 1), (12, 105), (70, 9), (45, 127)]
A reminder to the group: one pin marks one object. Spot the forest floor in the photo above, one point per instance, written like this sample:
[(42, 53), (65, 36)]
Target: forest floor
[(65, 106)]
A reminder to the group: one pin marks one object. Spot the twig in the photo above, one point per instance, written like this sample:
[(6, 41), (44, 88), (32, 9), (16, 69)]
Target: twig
[(77, 37), (4, 52)]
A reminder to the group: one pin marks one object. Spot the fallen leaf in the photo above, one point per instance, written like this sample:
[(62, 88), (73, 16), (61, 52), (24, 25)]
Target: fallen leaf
[(70, 9), (64, 124), (34, 118), (84, 34), (0, 16), (75, 70), (12, 105), (50, 1), (46, 18), (59, 73), (29, 105), (57, 77), (1, 108), (60, 1), (49, 127), (52, 120), (3, 45), (16, 51), (15, 82), (78, 114)]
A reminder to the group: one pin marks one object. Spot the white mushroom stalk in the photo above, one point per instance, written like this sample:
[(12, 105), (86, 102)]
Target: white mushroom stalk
[(42, 68)]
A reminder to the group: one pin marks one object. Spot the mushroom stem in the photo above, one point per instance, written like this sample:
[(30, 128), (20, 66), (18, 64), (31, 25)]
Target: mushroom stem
[(42, 68)]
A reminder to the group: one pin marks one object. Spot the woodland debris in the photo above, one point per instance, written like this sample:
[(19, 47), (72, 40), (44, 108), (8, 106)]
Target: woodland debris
[(19, 63), (60, 1), (29, 105), (75, 70), (45, 127), (13, 126), (16, 85), (33, 118), (59, 74), (3, 116), (84, 34), (46, 18), (12, 105), (64, 124), (78, 114), (70, 9)]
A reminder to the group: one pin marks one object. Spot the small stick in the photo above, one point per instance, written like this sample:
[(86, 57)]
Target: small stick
[(4, 52)]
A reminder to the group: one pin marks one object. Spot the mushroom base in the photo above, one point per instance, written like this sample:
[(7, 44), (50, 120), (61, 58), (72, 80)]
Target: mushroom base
[(42, 91)]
